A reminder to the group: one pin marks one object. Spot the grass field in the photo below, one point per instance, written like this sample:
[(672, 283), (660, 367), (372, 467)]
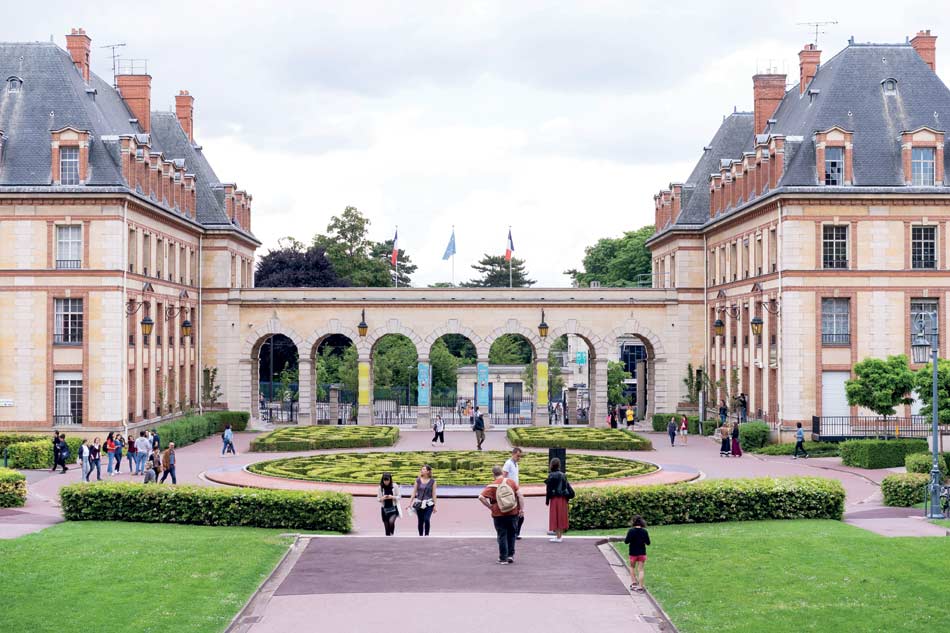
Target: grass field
[(120, 577), (779, 576)]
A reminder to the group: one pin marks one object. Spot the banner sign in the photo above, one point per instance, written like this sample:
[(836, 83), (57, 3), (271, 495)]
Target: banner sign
[(581, 358), (542, 390), (482, 387), (363, 381), (425, 383)]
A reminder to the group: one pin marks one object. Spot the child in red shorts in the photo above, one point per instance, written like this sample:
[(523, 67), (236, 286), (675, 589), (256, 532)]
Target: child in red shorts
[(637, 538)]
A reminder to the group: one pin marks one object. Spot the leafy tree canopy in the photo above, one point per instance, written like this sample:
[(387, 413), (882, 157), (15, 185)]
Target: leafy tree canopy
[(923, 384), (880, 385), (292, 265), (616, 261), (493, 273), (616, 374), (510, 349)]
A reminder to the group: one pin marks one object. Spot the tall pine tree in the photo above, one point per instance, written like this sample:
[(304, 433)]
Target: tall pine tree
[(493, 273)]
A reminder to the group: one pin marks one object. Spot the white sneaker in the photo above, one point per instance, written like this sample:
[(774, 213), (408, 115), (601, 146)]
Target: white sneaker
[(555, 540)]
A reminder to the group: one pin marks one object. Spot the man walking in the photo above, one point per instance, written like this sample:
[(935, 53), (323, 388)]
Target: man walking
[(168, 463), (56, 454), (478, 425), (799, 441), (143, 448), (506, 503), (671, 431), (510, 470)]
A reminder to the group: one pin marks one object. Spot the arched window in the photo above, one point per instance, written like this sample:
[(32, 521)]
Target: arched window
[(890, 86), (14, 84)]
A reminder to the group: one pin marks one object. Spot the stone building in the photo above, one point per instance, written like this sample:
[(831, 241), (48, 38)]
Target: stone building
[(823, 213)]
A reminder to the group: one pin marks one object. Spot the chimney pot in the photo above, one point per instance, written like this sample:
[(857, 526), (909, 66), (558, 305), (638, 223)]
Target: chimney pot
[(926, 46), (809, 59), (136, 91), (78, 44), (185, 111), (768, 91)]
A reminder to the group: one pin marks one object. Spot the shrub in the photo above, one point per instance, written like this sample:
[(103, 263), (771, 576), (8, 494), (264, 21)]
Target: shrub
[(237, 419), (196, 505), (879, 453), (815, 449), (923, 462), (660, 420), (708, 502), (38, 454), (16, 438), (311, 438), (12, 488), (193, 428), (753, 435), (582, 438), (904, 490)]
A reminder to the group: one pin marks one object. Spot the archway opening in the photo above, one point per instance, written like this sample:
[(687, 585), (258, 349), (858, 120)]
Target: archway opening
[(452, 359), (510, 381), (571, 380), (635, 388), (395, 374), (336, 381), (278, 379)]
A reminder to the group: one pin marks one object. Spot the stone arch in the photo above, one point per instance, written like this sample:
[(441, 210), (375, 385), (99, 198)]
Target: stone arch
[(333, 326), (596, 342), (632, 326), (454, 326), (656, 352), (512, 326), (392, 326), (254, 340), (250, 353)]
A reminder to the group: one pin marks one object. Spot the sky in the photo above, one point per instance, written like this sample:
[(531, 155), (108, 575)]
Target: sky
[(558, 119)]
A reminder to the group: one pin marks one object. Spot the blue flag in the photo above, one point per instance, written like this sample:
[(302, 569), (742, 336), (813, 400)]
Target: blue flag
[(450, 249)]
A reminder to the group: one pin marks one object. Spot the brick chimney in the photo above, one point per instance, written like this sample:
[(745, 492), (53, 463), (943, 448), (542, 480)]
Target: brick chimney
[(185, 111), (78, 45), (926, 46), (768, 91), (136, 91), (808, 59)]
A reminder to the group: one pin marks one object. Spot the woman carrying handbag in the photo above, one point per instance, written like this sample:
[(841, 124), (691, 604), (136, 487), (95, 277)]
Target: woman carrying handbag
[(423, 498), (388, 495), (558, 493)]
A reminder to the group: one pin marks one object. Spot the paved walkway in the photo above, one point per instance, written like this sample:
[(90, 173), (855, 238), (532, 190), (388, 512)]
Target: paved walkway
[(448, 584)]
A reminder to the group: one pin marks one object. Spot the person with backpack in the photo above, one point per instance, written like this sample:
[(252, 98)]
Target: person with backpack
[(228, 441), (143, 449), (168, 464), (506, 502), (422, 500), (56, 452), (478, 425), (558, 493), (131, 452), (799, 441), (511, 470), (637, 538), (63, 452), (438, 429)]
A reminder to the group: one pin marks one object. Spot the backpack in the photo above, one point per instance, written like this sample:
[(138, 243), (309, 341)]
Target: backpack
[(505, 497)]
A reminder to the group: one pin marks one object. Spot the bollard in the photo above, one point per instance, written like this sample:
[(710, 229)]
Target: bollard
[(6, 452)]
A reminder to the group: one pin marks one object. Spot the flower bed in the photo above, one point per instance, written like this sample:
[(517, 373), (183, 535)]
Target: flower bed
[(311, 438), (585, 438), (450, 468)]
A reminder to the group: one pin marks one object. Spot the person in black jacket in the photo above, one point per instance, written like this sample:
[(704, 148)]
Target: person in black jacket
[(637, 538), (56, 454), (478, 425), (558, 493)]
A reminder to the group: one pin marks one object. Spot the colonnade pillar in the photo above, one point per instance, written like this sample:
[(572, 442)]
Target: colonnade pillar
[(364, 400), (305, 391), (597, 415)]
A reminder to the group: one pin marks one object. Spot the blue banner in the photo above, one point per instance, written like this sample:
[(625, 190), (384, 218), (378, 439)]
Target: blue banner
[(484, 397), (425, 385)]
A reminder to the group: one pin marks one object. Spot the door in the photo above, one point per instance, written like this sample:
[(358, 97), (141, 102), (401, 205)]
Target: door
[(835, 412)]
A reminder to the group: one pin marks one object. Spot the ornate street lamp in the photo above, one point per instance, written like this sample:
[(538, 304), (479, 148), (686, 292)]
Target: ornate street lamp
[(186, 328), (920, 349), (543, 326), (756, 324), (147, 324), (362, 328), (720, 327)]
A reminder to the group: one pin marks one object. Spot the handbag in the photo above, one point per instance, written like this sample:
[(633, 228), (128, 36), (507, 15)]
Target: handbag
[(390, 511)]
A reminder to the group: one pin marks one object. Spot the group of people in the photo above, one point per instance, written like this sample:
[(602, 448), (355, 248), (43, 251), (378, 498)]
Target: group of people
[(143, 453), (618, 414), (503, 497), (678, 426)]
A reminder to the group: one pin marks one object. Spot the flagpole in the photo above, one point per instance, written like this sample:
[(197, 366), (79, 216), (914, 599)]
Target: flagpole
[(510, 285), (396, 248), (453, 256)]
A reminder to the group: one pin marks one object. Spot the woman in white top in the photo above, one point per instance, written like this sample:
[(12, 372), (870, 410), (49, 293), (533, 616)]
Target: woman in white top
[(438, 427), (388, 496)]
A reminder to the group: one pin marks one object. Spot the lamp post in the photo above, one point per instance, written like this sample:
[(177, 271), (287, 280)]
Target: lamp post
[(920, 349)]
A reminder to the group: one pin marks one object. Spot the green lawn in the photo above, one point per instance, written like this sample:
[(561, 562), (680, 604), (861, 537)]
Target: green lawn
[(120, 577), (778, 576)]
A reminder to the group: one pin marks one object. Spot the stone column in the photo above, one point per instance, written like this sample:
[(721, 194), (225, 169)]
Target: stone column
[(333, 405), (541, 393), (424, 393), (641, 389), (305, 391), (248, 390), (597, 415), (365, 398), (481, 389)]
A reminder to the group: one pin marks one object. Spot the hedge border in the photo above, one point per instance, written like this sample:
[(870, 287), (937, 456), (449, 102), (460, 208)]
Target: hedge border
[(625, 440), (905, 489), (872, 454), (264, 444), (12, 488)]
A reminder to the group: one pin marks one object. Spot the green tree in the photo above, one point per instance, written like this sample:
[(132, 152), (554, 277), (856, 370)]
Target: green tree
[(555, 366), (336, 365), (442, 284), (384, 272), (616, 374), (395, 364), (288, 378), (357, 259), (616, 261), (923, 385), (510, 349), (493, 273), (880, 385), (444, 368)]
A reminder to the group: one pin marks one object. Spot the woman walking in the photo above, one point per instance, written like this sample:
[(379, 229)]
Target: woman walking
[(671, 430), (119, 446), (684, 429), (725, 447), (95, 460), (423, 498), (723, 412), (438, 428), (558, 493), (84, 459), (736, 449), (388, 495), (131, 451), (110, 451), (637, 538)]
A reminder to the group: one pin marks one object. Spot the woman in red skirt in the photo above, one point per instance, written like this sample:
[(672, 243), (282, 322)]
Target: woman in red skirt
[(559, 492)]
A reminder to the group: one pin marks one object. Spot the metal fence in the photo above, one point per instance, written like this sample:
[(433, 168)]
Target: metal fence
[(280, 412), (837, 428), (454, 411), (510, 412)]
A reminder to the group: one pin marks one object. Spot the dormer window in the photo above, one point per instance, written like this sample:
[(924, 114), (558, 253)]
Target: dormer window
[(14, 84), (834, 165), (922, 166), (69, 165), (890, 86)]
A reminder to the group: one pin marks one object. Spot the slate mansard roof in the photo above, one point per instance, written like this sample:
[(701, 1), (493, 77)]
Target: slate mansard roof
[(53, 96), (847, 91)]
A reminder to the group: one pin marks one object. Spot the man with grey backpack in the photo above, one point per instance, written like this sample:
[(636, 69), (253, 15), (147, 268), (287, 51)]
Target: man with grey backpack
[(506, 502)]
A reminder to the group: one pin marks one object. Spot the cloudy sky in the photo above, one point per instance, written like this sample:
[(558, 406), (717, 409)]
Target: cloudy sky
[(561, 119)]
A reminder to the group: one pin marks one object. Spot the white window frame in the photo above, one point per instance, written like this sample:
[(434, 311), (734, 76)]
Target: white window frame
[(68, 321), (923, 170), (835, 321), (68, 246), (835, 243), (924, 305), (69, 165), (67, 397), (919, 247), (834, 167)]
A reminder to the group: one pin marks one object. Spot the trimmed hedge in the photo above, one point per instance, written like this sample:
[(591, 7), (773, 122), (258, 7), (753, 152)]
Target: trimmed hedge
[(237, 419), (6, 439), (194, 428), (923, 462), (582, 438), (879, 453), (38, 454), (12, 488), (311, 438), (753, 435), (904, 490), (197, 505), (660, 420), (709, 501), (815, 449)]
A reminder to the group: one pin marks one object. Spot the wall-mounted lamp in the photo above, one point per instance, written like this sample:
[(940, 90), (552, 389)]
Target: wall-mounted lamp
[(362, 328), (543, 326)]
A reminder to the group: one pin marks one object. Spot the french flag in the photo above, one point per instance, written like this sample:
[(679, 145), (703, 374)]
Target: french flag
[(510, 249), (395, 255)]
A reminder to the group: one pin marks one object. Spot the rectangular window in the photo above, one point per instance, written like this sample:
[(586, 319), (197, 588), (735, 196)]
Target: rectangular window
[(68, 246), (733, 261), (159, 257), (773, 250), (835, 321), (922, 166), (924, 311), (69, 165), (67, 397), (834, 165), (146, 253), (67, 322), (923, 246), (132, 250), (834, 246)]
